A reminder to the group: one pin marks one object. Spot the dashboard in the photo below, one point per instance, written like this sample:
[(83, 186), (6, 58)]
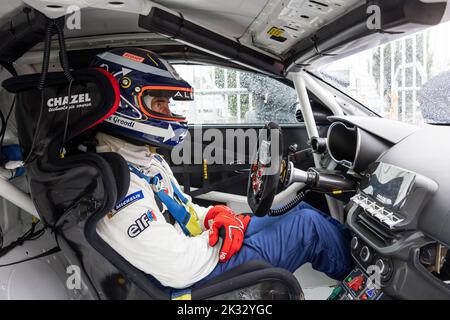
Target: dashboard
[(400, 214)]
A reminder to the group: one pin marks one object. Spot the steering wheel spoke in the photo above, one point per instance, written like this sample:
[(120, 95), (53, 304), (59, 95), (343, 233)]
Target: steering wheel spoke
[(264, 173)]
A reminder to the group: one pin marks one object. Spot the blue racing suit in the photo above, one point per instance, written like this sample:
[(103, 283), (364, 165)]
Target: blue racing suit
[(302, 235)]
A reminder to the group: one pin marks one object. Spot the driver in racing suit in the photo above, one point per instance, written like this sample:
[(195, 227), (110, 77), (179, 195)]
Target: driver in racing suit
[(157, 228)]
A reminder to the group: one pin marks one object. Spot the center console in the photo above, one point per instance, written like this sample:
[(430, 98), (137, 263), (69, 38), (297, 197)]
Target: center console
[(387, 244), (357, 286)]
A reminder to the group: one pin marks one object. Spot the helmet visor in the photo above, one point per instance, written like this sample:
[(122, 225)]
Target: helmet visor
[(157, 102), (176, 93)]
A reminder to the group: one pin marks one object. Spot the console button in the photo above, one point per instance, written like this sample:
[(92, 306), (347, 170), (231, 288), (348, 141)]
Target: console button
[(365, 254), (384, 267), (356, 283), (371, 293)]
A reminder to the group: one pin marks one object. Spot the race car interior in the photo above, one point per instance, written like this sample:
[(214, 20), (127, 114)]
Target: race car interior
[(386, 180)]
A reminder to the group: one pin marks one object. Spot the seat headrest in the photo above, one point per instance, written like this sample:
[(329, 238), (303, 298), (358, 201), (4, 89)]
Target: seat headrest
[(94, 96)]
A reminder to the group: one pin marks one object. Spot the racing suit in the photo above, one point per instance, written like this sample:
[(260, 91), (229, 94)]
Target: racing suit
[(138, 230)]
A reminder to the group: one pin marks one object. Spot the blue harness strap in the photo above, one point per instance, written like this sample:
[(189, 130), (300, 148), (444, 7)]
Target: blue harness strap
[(186, 218)]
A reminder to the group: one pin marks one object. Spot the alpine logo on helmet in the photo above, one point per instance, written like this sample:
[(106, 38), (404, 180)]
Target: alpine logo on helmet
[(143, 76)]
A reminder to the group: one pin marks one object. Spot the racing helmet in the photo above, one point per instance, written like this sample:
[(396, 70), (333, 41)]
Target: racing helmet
[(142, 76)]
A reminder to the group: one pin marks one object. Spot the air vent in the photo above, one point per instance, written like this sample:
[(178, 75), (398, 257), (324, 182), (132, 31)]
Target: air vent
[(386, 217)]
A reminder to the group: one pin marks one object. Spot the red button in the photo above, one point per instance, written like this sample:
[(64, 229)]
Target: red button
[(364, 297), (356, 283)]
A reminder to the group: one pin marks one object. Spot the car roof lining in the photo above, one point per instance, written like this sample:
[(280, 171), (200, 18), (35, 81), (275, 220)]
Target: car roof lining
[(336, 36)]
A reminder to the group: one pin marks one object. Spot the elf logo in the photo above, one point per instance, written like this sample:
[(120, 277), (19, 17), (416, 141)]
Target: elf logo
[(141, 224), (81, 100)]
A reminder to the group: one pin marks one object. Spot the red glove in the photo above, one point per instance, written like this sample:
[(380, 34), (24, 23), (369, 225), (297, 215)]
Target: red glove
[(235, 225)]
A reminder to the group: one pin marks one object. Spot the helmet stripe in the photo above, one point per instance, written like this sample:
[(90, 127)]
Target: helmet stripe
[(114, 58)]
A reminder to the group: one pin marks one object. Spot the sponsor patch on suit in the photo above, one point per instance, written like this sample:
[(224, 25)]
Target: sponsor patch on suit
[(125, 202)]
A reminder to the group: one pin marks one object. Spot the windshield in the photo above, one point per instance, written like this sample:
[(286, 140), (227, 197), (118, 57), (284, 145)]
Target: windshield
[(406, 80)]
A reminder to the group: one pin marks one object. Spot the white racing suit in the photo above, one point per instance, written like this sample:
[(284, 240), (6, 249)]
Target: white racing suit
[(138, 231)]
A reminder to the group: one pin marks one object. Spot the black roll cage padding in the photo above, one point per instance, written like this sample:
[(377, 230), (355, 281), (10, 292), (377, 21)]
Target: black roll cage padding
[(178, 28), (21, 33)]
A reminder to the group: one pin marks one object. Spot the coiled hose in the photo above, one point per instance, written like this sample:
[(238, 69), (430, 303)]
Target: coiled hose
[(46, 57), (290, 205), (42, 81), (63, 56), (50, 27), (66, 68)]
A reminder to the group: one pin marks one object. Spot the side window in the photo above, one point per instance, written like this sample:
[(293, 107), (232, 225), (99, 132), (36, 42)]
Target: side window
[(228, 96)]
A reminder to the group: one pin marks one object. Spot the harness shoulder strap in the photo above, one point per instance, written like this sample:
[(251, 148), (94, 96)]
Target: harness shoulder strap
[(183, 212)]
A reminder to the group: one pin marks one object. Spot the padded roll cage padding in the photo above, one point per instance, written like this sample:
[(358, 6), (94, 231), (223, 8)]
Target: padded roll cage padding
[(96, 84)]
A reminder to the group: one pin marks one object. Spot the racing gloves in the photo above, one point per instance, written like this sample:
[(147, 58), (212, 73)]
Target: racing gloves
[(219, 217)]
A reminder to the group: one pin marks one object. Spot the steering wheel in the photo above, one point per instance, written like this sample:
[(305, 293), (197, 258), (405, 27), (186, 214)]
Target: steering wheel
[(265, 169)]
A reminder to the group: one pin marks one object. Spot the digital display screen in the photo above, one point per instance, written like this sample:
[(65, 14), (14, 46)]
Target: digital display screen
[(389, 185)]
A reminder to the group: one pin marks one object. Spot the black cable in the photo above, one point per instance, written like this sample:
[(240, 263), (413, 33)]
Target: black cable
[(66, 68), (41, 83), (51, 25), (25, 161), (66, 125), (63, 53), (30, 234), (46, 57), (5, 123), (290, 205)]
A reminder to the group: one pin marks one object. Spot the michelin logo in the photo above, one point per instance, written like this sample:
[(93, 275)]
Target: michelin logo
[(129, 200), (125, 202), (82, 100)]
